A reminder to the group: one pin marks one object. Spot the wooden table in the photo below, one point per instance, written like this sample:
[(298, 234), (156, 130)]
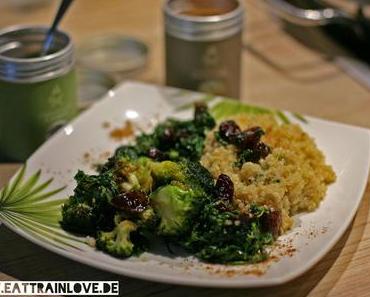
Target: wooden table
[(278, 71)]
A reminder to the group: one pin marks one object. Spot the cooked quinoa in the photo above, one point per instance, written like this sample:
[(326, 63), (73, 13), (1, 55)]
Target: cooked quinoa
[(293, 178)]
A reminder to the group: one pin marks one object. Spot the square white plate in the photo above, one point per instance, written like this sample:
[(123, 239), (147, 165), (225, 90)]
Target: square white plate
[(29, 209)]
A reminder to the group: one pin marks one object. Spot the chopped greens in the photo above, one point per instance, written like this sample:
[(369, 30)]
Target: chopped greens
[(224, 237)]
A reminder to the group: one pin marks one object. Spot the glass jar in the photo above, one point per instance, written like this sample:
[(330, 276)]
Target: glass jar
[(38, 95), (203, 41)]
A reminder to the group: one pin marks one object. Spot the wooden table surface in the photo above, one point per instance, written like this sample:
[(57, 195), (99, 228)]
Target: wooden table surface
[(282, 68)]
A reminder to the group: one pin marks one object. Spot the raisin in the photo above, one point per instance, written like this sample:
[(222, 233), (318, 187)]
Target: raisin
[(259, 151), (199, 109), (271, 222), (156, 154), (244, 218), (131, 202), (250, 137), (262, 149), (229, 131), (168, 135), (225, 188), (223, 205)]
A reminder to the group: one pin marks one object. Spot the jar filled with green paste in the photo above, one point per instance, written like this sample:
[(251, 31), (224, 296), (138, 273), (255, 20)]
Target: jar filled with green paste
[(38, 94)]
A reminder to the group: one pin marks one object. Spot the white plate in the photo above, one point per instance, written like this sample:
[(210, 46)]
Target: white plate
[(34, 217)]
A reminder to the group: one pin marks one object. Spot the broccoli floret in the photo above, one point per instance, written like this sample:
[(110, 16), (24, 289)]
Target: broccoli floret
[(129, 152), (145, 142), (188, 139), (202, 118), (178, 188), (78, 217), (183, 188), (147, 219), (135, 174), (174, 138), (225, 236), (131, 169), (166, 171), (190, 173), (191, 146), (89, 210), (95, 188), (175, 207), (118, 242)]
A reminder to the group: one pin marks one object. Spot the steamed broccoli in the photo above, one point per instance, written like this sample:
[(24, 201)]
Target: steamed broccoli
[(78, 217), (166, 171), (158, 187), (118, 242), (192, 214), (180, 195), (189, 173), (134, 174), (173, 139), (184, 137), (202, 118), (147, 220), (130, 235), (129, 152), (175, 207), (88, 210)]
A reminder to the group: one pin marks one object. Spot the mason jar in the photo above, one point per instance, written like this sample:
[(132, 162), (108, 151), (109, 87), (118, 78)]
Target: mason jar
[(203, 42), (37, 94)]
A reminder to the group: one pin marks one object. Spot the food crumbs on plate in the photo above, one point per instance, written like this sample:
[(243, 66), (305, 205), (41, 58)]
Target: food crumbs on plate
[(104, 155), (90, 241), (86, 158), (94, 158), (324, 229), (106, 125), (120, 133)]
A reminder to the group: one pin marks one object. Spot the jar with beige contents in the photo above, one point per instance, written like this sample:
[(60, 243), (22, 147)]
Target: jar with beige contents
[(203, 41)]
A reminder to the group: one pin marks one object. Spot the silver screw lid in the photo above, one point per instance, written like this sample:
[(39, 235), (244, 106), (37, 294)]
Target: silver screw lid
[(19, 50), (202, 27)]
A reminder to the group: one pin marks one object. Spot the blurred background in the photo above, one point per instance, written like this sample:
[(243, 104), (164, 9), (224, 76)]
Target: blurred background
[(283, 67), (306, 69)]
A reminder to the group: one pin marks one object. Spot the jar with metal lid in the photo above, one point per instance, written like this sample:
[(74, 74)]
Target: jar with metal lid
[(37, 94), (203, 41)]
